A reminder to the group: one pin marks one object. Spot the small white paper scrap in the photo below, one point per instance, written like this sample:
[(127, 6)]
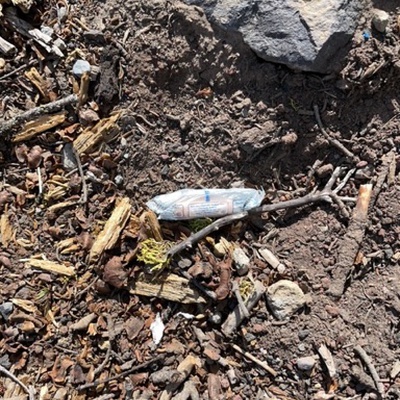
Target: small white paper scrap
[(157, 329)]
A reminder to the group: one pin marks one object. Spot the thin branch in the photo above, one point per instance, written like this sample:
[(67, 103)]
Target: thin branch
[(29, 390), (84, 197), (122, 374), (365, 358), (333, 142), (256, 360), (327, 194), (7, 126)]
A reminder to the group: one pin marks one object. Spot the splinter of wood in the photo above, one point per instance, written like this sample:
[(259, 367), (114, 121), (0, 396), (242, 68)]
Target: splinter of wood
[(371, 368), (351, 242), (236, 317)]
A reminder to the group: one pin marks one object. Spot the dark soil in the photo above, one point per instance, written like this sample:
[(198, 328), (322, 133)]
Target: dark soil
[(199, 110)]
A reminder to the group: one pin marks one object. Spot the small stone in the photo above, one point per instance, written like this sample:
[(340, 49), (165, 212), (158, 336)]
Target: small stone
[(305, 363), (380, 20), (2, 63), (216, 318), (60, 44), (119, 180), (241, 261), (80, 67), (94, 36), (68, 157), (303, 334), (325, 170), (6, 309), (285, 298)]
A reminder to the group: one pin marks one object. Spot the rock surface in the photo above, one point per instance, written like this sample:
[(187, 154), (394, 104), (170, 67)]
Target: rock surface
[(304, 35), (380, 20), (285, 298), (305, 363)]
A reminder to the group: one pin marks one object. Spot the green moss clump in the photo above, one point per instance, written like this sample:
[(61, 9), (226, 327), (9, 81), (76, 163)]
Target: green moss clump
[(154, 254)]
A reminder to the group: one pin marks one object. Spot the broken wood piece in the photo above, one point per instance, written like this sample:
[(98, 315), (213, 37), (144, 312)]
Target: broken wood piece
[(351, 242), (236, 317), (6, 48), (272, 260), (371, 368), (51, 266), (112, 230), (189, 391), (166, 286), (239, 298), (27, 30), (184, 369), (327, 359), (105, 130), (84, 89), (39, 125), (30, 391), (256, 360), (49, 108), (40, 84), (7, 232)]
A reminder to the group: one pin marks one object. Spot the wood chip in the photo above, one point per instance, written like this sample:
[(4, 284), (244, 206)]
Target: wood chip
[(41, 84), (166, 286), (39, 125), (103, 131), (6, 230), (112, 230), (51, 266)]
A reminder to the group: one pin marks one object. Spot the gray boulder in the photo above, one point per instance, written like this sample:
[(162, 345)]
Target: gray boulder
[(304, 35)]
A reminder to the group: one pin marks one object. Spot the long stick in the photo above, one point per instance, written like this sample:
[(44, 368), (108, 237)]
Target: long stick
[(7, 126), (29, 391)]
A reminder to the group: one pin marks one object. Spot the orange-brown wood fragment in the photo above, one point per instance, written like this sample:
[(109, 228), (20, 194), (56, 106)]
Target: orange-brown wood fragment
[(112, 230)]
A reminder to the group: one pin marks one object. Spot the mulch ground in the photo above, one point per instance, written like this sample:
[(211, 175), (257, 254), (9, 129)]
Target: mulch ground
[(172, 102)]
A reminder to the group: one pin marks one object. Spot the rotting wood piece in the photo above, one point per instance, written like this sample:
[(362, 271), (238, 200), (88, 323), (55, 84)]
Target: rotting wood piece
[(236, 317), (51, 266), (55, 106), (39, 125), (104, 130), (112, 230), (6, 48), (184, 369), (351, 242), (41, 84), (166, 286)]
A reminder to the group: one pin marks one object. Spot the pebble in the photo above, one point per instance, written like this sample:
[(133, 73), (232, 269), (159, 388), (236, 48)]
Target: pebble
[(241, 261), (6, 309), (303, 334), (380, 20), (216, 318), (2, 63), (80, 67), (119, 180), (285, 298), (305, 363), (68, 157)]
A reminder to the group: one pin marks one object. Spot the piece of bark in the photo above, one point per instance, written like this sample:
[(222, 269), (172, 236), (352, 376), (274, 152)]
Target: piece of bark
[(51, 266), (103, 131), (166, 286), (112, 230), (27, 30), (41, 84), (39, 125), (184, 369), (6, 48), (351, 242), (236, 317)]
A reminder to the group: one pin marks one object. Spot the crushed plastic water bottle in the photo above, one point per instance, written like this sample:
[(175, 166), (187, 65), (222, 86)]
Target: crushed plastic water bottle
[(201, 203)]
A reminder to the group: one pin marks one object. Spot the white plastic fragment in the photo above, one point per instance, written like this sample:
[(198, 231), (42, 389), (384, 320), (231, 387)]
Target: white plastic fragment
[(200, 203), (157, 329), (185, 315), (80, 67)]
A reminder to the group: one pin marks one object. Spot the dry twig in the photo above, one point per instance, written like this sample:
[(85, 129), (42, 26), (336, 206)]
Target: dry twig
[(29, 390), (326, 194), (122, 374), (7, 126), (256, 360), (333, 142), (371, 368)]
